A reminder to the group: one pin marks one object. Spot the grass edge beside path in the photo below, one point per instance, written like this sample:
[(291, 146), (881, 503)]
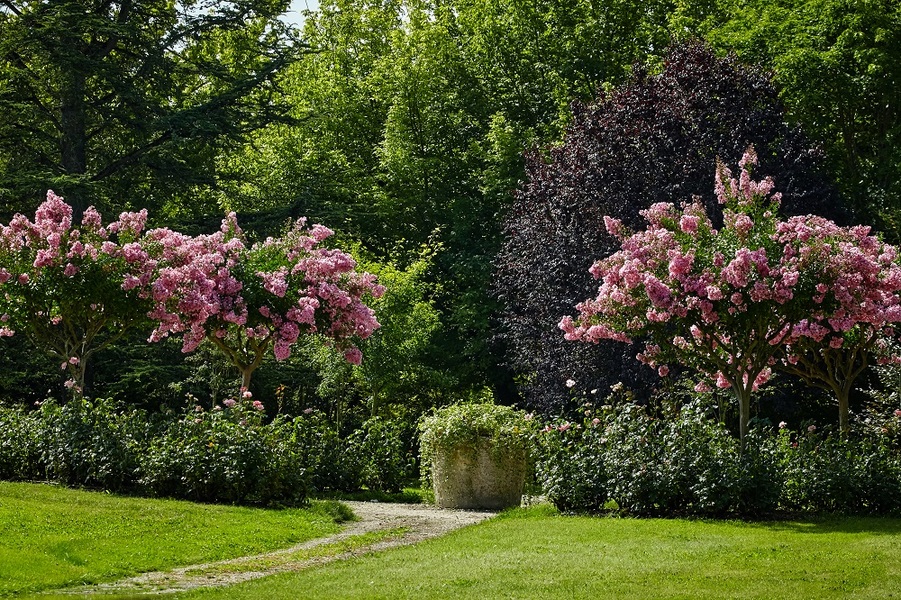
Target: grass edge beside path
[(536, 553), (53, 537)]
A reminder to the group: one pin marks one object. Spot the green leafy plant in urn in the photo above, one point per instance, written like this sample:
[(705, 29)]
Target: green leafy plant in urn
[(476, 455)]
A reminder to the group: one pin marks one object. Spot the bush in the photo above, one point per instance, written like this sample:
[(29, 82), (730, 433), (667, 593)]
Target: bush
[(382, 449), (21, 436), (323, 454), (225, 455), (93, 443), (641, 464), (826, 473)]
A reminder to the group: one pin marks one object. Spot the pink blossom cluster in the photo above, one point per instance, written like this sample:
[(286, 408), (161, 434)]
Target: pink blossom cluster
[(73, 288), (73, 283), (265, 295), (726, 301)]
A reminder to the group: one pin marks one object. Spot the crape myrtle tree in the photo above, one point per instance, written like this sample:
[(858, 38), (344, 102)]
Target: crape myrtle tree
[(653, 139), (246, 300), (73, 290), (854, 309), (725, 302), (130, 100)]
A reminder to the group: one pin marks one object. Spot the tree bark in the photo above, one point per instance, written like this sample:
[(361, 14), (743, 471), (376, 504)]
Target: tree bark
[(73, 135)]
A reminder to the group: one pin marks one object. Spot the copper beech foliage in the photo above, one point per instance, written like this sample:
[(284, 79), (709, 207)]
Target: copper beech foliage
[(655, 139)]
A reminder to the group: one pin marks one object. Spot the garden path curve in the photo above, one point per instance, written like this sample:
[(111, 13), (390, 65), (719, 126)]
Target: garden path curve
[(389, 525)]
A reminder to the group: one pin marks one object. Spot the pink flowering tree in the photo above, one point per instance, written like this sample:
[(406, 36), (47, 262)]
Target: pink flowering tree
[(852, 310), (73, 290), (248, 300), (717, 301), (803, 295)]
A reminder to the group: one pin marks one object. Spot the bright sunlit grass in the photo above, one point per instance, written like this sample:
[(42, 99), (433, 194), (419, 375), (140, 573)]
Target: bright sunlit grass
[(52, 537), (537, 554)]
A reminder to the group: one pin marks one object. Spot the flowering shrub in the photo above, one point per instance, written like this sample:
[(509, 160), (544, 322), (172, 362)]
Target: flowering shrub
[(224, 455), (827, 473), (92, 443), (73, 290), (248, 300), (725, 302), (629, 460)]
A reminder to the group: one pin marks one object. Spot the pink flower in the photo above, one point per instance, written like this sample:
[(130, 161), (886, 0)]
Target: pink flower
[(614, 226), (722, 382), (689, 223), (257, 405), (782, 424), (702, 387), (898, 412), (246, 394), (663, 371), (229, 403), (812, 428), (353, 356), (570, 383)]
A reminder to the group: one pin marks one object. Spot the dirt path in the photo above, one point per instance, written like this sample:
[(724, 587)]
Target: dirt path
[(381, 526)]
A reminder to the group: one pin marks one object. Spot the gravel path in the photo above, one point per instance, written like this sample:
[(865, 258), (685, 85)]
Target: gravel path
[(402, 524)]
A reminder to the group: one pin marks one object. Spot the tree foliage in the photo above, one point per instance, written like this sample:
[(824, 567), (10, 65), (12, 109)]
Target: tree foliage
[(413, 119), (73, 290), (104, 97), (838, 67), (654, 139)]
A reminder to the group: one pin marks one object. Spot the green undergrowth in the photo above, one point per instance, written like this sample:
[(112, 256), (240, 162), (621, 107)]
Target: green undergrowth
[(409, 495), (537, 553), (53, 537)]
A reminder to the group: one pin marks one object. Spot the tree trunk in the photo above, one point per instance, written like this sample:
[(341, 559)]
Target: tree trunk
[(246, 372), (744, 413), (73, 136)]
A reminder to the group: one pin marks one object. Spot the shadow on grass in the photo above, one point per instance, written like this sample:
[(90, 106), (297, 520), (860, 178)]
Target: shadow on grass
[(837, 524)]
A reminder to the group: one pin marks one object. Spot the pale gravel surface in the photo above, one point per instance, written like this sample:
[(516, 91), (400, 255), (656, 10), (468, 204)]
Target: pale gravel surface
[(419, 521)]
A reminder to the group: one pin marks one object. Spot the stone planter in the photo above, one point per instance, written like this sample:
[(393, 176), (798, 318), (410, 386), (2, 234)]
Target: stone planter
[(477, 476)]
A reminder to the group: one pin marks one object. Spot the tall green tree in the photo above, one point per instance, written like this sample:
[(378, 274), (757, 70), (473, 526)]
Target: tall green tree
[(838, 66), (414, 115), (117, 102)]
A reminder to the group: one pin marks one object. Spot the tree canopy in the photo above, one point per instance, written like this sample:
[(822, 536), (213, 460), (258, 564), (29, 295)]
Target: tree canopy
[(654, 139), (117, 103)]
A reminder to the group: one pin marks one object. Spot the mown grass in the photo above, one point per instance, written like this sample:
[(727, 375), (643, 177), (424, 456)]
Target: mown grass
[(535, 553), (51, 537)]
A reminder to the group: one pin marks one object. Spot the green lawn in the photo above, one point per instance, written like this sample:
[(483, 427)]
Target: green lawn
[(537, 554), (52, 537)]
